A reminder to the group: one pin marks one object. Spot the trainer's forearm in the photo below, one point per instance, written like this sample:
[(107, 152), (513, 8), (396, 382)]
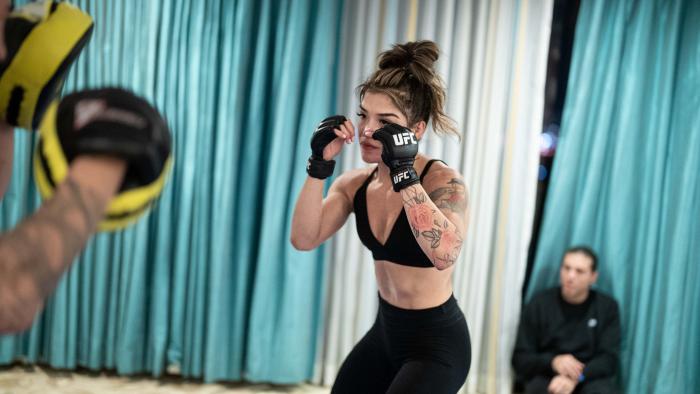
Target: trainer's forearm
[(36, 253), (7, 151), (306, 222)]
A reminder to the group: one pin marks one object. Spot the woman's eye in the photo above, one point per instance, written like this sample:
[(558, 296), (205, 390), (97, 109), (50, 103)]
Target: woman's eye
[(361, 115), (384, 121)]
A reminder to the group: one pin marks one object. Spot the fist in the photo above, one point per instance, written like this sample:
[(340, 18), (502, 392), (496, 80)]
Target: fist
[(324, 134), (399, 150), (326, 142)]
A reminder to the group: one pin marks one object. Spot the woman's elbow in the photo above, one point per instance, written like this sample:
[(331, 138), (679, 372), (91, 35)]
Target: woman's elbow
[(445, 259), (299, 243), (442, 265)]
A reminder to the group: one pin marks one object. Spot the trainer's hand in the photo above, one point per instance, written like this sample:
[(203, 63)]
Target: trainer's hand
[(567, 365), (326, 143), (102, 175), (399, 151), (4, 11), (561, 384)]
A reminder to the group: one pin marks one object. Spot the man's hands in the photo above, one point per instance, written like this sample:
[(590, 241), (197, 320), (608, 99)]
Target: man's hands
[(568, 365), (569, 371), (561, 384)]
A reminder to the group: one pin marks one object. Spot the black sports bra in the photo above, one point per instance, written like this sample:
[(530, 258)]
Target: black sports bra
[(401, 247)]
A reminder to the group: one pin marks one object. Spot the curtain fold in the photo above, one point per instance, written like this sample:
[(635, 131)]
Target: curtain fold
[(284, 323), (493, 62), (625, 181), (207, 284)]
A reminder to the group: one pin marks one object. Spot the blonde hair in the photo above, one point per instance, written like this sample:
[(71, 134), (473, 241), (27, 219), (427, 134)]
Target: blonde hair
[(406, 74)]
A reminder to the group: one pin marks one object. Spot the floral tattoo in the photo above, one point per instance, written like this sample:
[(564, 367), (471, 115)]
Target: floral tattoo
[(452, 196), (441, 236)]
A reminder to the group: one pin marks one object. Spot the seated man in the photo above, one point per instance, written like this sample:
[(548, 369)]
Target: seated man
[(569, 336)]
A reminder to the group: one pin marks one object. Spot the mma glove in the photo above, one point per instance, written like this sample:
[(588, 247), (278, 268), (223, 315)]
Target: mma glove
[(317, 167), (399, 151)]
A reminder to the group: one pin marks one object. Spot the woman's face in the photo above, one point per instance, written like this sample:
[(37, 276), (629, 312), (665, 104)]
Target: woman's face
[(375, 111)]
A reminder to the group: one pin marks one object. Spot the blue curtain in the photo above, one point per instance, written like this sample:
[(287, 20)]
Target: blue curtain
[(208, 282), (625, 181)]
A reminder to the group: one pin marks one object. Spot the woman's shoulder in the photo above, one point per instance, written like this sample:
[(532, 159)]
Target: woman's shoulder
[(440, 173), (446, 188), (350, 180)]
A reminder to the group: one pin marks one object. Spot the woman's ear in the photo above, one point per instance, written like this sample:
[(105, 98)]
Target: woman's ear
[(419, 129)]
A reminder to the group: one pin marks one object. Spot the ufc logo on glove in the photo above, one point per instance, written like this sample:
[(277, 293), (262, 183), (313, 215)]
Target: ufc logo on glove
[(399, 149), (404, 138), (402, 176)]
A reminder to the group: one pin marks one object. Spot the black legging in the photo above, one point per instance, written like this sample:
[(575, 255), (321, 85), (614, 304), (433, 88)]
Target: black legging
[(409, 351)]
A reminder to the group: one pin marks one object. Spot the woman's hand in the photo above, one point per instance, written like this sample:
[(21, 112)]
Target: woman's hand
[(345, 134), (326, 143)]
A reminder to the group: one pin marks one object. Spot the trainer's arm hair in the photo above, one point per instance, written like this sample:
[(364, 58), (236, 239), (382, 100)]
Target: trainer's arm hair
[(4, 12), (7, 134), (35, 254)]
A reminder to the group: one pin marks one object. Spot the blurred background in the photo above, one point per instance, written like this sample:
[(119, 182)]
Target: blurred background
[(580, 124)]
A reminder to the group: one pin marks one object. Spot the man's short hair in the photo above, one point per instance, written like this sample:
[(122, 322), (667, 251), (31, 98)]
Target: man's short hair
[(585, 250)]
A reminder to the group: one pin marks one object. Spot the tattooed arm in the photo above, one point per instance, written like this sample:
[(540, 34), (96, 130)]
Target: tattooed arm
[(7, 134), (35, 254), (438, 219)]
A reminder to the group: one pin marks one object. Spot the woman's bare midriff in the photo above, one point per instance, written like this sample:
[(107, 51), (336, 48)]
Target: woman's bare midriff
[(412, 287)]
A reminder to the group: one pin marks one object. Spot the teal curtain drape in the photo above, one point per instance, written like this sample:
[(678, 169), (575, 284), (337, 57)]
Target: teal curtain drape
[(207, 283), (625, 181)]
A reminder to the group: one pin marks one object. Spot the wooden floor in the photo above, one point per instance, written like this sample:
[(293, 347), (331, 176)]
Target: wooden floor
[(43, 380)]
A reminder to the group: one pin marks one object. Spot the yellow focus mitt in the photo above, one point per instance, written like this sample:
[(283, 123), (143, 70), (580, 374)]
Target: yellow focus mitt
[(112, 122), (42, 39)]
